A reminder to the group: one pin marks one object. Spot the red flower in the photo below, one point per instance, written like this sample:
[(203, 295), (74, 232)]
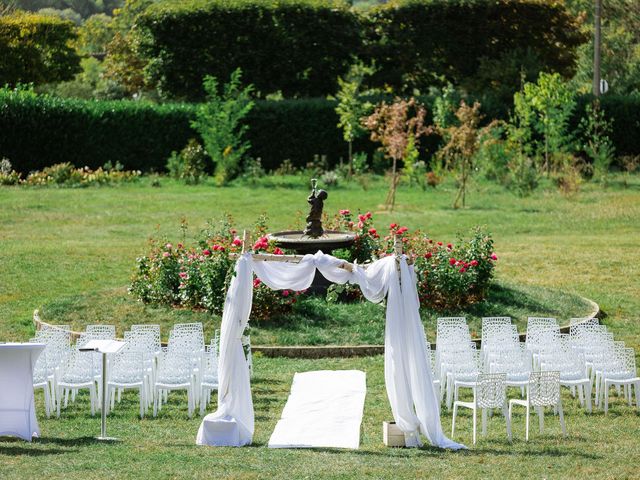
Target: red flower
[(452, 261), (439, 244), (168, 246), (183, 275), (233, 231), (428, 255), (206, 252), (362, 218), (462, 270), (277, 251), (256, 283), (345, 212), (474, 263), (449, 246), (494, 256), (367, 215), (372, 231), (285, 293), (360, 224), (180, 245), (236, 241), (401, 230), (393, 226)]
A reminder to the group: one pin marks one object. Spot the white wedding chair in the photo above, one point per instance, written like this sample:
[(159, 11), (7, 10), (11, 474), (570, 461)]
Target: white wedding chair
[(543, 389), (573, 374), (78, 373), (209, 381), (623, 374), (101, 332), (489, 392), (41, 378), (175, 372), (127, 371)]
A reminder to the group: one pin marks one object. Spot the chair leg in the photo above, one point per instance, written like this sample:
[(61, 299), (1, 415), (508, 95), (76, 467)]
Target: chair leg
[(142, 399), (541, 418), (588, 397), (561, 414), (606, 396), (156, 399), (484, 422), (637, 388), (453, 422), (526, 434), (507, 418), (475, 410), (580, 394)]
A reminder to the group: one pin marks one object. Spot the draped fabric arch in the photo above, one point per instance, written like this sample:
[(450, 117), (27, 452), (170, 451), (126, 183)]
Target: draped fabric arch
[(408, 380)]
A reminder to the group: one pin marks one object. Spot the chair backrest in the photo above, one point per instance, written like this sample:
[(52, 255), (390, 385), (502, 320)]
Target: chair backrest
[(128, 366), (584, 321), (534, 322), (142, 340), (544, 388), (101, 332), (452, 330), (149, 328), (174, 368), (187, 337), (491, 390)]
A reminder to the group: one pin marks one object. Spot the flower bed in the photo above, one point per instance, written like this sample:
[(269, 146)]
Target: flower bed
[(449, 275)]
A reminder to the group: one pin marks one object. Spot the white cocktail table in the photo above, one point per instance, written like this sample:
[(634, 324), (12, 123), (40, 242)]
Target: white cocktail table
[(17, 408)]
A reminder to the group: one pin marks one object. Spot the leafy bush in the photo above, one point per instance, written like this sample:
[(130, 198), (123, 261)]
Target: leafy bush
[(36, 49), (296, 47), (8, 176), (219, 123), (38, 130), (190, 164), (66, 175), (197, 276), (414, 42)]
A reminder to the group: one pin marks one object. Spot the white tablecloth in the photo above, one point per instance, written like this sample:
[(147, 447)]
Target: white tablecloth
[(17, 409)]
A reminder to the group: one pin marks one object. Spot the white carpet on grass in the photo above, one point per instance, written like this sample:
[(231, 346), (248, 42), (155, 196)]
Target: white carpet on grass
[(324, 409)]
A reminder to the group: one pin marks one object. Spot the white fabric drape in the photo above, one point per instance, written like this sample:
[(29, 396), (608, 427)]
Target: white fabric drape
[(407, 375)]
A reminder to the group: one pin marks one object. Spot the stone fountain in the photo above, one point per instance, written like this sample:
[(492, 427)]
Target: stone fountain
[(314, 237)]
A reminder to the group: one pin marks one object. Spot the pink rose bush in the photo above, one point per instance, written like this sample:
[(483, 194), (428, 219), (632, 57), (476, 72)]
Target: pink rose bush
[(450, 275)]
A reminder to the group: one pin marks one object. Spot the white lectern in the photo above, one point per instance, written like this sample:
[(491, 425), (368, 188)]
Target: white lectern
[(104, 347)]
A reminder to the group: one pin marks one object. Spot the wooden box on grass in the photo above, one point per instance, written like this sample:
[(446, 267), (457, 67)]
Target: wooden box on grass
[(392, 435)]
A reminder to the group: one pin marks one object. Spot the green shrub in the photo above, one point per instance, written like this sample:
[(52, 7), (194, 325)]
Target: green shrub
[(219, 121), (190, 164), (66, 175), (8, 176), (36, 49), (296, 47), (415, 42), (38, 130)]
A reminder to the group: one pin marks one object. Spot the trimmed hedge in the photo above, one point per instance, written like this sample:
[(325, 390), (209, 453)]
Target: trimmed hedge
[(297, 47), (413, 42), (38, 131), (36, 49)]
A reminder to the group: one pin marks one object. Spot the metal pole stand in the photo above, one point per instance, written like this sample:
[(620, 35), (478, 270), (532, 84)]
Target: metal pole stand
[(103, 430)]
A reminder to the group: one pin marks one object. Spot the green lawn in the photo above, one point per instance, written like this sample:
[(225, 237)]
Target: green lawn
[(62, 248)]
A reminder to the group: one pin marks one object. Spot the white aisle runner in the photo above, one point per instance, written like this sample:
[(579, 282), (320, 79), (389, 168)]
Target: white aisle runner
[(324, 409)]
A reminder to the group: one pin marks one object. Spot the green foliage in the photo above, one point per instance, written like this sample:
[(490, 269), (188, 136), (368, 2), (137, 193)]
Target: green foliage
[(351, 107), (546, 106), (66, 175), (416, 43), (596, 129), (36, 49), (190, 164), (219, 121), (463, 143), (8, 176), (296, 47), (39, 131), (94, 34)]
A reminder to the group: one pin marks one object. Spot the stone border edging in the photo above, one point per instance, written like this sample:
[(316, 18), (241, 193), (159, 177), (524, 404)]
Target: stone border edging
[(335, 351)]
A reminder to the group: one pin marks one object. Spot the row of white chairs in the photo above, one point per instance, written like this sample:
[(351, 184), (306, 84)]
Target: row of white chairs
[(586, 357), (142, 364)]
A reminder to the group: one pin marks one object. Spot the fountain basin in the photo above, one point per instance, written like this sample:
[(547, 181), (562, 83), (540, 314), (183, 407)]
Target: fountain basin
[(302, 244)]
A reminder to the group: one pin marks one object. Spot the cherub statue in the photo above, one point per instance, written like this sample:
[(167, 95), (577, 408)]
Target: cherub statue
[(314, 219)]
